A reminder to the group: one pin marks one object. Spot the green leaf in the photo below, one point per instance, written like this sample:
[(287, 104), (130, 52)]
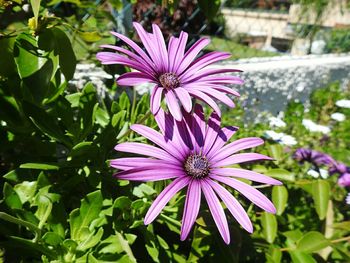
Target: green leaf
[(89, 210), (102, 117), (66, 54), (281, 174), (90, 36), (321, 194), (275, 151), (301, 257), (269, 226), (26, 191), (45, 122), (44, 209), (312, 242), (118, 119), (11, 198), (52, 239), (124, 101), (91, 240), (7, 65), (25, 243), (274, 254), (82, 148), (143, 190), (39, 166), (122, 202), (279, 198), (21, 222)]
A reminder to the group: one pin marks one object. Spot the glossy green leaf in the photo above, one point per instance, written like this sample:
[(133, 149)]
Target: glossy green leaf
[(89, 210), (279, 198), (281, 174), (91, 240), (11, 198), (269, 226), (52, 238), (90, 36), (39, 166), (26, 191), (312, 242), (301, 257), (321, 194)]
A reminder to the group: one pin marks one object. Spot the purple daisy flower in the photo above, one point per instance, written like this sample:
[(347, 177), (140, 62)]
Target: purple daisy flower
[(178, 75), (317, 158), (193, 153)]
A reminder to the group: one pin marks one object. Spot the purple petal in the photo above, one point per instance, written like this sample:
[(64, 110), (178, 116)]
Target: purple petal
[(204, 61), (156, 98), (241, 158), (176, 53), (158, 139), (206, 72), (191, 54), (226, 89), (222, 79), (196, 126), (134, 78), (246, 174), (216, 94), (173, 105), (161, 46), (224, 135), (249, 192), (164, 197), (233, 147), (144, 149), (132, 55), (212, 132), (135, 47), (233, 205), (150, 173), (133, 162), (185, 98), (216, 210), (107, 58), (202, 96), (148, 43), (191, 209)]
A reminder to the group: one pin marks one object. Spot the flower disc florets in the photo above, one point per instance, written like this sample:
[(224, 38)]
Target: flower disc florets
[(196, 166), (169, 80)]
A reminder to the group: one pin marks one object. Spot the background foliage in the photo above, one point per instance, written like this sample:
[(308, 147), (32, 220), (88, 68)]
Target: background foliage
[(59, 201)]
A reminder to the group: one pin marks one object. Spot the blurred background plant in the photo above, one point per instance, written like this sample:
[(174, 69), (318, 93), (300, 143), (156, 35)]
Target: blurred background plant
[(60, 202)]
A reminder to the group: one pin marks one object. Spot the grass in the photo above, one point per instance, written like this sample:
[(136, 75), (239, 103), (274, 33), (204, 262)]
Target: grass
[(237, 50)]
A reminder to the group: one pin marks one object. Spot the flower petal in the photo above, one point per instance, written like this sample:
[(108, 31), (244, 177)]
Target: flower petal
[(191, 209), (191, 54), (134, 78), (133, 162), (177, 53), (161, 46), (224, 135), (144, 149), (246, 174), (216, 94), (149, 173), (249, 192), (213, 128), (206, 72), (156, 98), (173, 105), (157, 138), (233, 205), (238, 145), (185, 98), (241, 158), (202, 96), (196, 126), (164, 197), (216, 211)]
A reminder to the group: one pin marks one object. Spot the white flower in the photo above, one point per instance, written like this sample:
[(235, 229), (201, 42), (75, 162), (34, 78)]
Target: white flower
[(280, 137), (143, 88), (347, 199), (337, 116), (324, 173), (343, 103), (314, 127), (288, 140), (313, 173), (276, 122)]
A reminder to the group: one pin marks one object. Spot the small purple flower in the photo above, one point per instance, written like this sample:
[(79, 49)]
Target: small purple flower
[(344, 180), (339, 168), (176, 74), (317, 158), (193, 153)]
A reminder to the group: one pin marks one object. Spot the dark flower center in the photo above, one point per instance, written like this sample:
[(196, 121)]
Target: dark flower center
[(196, 166), (169, 80)]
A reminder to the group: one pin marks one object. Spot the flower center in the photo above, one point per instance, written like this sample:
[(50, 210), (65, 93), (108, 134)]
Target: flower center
[(169, 80), (196, 166)]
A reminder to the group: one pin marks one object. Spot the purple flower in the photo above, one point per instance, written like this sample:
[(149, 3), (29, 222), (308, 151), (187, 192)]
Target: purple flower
[(193, 153), (317, 158), (344, 180), (178, 75)]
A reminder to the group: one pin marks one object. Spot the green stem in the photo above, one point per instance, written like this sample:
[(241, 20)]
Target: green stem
[(144, 118)]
